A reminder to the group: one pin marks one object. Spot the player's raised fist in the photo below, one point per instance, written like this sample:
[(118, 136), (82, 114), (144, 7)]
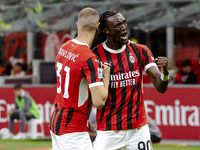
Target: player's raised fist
[(162, 63)]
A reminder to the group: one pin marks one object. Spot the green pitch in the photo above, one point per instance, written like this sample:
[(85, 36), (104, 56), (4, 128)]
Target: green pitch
[(168, 147), (22, 144), (46, 143)]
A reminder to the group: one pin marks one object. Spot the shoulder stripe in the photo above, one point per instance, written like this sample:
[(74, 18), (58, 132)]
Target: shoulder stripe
[(83, 72), (144, 52), (91, 68)]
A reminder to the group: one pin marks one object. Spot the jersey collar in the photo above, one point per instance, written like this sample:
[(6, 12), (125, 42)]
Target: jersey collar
[(78, 42), (112, 50)]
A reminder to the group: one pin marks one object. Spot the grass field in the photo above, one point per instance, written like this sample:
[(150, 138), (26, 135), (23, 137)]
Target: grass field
[(45, 144)]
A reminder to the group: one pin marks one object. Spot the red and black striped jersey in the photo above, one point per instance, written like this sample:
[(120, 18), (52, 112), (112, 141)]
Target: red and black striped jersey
[(77, 68), (124, 108)]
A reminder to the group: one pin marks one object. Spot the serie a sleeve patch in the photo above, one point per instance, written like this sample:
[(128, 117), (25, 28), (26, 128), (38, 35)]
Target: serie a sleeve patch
[(100, 74)]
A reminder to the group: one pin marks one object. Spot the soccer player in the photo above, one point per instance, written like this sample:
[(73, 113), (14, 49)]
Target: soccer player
[(78, 70), (122, 122)]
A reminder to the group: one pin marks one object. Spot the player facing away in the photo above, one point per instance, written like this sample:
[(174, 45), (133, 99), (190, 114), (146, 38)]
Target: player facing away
[(78, 69), (122, 122)]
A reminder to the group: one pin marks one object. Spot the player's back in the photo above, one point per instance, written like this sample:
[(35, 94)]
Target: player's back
[(71, 102)]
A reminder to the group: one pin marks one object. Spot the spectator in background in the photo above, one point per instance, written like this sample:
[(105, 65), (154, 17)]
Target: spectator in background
[(186, 76), (29, 70), (2, 68), (25, 109), (17, 70), (8, 68)]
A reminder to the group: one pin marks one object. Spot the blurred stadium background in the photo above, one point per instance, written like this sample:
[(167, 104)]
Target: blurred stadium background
[(31, 32)]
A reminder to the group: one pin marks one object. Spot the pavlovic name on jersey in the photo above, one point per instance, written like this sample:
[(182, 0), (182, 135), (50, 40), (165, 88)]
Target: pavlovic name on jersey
[(69, 55)]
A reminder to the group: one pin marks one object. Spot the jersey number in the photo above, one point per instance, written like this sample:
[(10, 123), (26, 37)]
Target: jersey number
[(66, 69), (141, 145)]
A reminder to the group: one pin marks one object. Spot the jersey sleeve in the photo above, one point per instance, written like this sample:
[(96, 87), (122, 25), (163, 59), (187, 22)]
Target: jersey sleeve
[(92, 71), (147, 57)]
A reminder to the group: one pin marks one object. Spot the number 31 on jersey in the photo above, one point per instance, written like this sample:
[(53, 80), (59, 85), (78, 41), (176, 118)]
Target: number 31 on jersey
[(66, 82)]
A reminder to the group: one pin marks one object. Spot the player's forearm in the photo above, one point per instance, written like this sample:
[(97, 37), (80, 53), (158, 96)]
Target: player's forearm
[(100, 94), (162, 86), (161, 83)]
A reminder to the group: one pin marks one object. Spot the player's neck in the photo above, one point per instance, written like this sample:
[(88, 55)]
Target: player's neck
[(113, 44), (86, 37)]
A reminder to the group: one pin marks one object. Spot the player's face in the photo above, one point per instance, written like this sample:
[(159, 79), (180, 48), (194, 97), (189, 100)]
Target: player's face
[(117, 28), (18, 92)]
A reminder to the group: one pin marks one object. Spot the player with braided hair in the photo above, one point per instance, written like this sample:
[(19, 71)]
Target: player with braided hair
[(101, 34), (122, 122)]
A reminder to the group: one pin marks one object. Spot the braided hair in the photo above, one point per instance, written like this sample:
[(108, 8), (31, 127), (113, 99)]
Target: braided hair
[(101, 36)]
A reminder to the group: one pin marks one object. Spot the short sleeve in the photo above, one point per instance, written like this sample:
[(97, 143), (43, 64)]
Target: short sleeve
[(147, 57), (92, 71)]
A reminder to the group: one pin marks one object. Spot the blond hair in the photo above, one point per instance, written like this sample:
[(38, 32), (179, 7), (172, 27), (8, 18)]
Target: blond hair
[(88, 19)]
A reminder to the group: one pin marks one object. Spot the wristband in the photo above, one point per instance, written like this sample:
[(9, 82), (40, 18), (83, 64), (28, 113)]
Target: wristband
[(164, 77)]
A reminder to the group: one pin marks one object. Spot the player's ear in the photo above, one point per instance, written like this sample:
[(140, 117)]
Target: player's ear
[(106, 31), (77, 24), (97, 26)]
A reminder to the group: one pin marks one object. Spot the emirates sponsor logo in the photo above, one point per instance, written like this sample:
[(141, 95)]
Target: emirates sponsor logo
[(125, 75), (174, 115), (124, 79)]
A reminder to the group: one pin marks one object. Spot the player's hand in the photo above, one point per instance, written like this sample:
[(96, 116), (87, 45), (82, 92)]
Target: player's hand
[(162, 62), (92, 133), (9, 113), (105, 70)]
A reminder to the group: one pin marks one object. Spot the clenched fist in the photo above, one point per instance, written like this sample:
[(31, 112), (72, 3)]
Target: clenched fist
[(162, 63)]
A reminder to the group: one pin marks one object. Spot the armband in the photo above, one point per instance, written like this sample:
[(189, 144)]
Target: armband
[(164, 77)]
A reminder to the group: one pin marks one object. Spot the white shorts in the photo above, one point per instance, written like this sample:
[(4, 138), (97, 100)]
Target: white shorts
[(135, 139), (71, 141)]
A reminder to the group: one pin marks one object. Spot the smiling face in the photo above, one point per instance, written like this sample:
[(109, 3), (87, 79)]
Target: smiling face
[(116, 28)]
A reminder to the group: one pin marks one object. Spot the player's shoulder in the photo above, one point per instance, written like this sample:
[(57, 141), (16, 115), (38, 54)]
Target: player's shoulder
[(144, 47), (64, 45), (80, 48), (97, 48)]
